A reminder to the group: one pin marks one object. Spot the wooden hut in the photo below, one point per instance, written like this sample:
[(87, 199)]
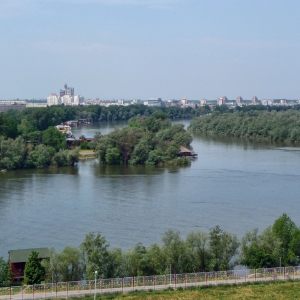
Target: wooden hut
[(186, 152)]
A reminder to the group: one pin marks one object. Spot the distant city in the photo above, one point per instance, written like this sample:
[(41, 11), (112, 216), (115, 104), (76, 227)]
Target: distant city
[(66, 96)]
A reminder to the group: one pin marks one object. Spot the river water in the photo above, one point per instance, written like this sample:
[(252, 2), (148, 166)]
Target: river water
[(236, 184)]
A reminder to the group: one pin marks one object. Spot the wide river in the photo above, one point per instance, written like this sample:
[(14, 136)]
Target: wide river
[(236, 184)]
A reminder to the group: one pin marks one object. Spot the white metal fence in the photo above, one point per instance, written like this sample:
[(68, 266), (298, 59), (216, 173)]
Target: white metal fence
[(66, 290)]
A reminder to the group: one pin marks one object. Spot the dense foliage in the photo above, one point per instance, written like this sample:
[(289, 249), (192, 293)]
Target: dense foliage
[(278, 245), (150, 140), (253, 124), (20, 154)]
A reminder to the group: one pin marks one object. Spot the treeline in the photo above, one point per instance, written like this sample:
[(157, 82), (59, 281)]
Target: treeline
[(147, 140), (278, 245), (281, 126), (42, 118)]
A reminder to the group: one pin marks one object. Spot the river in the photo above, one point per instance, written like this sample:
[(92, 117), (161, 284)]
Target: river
[(236, 184)]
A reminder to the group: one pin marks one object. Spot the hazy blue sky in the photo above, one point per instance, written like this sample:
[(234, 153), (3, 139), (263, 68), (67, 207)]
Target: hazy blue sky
[(137, 49)]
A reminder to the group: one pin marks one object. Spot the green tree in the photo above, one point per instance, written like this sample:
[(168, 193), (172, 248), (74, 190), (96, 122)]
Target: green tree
[(199, 254), (259, 251), (54, 138), (223, 246), (175, 252), (96, 255), (34, 271), (5, 272), (288, 233), (69, 264)]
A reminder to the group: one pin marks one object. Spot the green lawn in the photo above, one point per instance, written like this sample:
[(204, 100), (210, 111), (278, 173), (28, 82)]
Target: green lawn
[(273, 290)]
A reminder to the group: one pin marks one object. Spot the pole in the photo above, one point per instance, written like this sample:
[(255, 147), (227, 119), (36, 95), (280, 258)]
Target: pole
[(95, 284)]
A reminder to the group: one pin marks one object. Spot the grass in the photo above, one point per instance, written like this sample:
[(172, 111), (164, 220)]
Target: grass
[(83, 154), (274, 290)]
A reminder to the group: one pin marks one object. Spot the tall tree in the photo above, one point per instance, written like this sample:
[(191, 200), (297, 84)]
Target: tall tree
[(96, 255), (223, 246), (34, 271)]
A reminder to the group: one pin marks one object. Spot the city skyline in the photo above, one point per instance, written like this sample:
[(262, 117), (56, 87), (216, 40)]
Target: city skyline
[(136, 49)]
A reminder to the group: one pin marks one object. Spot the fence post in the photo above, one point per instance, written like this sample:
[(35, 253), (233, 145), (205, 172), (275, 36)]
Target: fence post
[(78, 288), (122, 285), (185, 281), (45, 289), (284, 273), (144, 282), (100, 286), (133, 283), (255, 275), (175, 280), (205, 278), (265, 274), (165, 281), (56, 290), (245, 275), (10, 292), (67, 290), (293, 273), (154, 281), (33, 291)]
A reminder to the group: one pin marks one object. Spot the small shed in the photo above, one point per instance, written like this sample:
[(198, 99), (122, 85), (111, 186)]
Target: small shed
[(18, 259)]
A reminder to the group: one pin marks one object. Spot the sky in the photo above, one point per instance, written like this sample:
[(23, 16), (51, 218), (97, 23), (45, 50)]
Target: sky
[(140, 49)]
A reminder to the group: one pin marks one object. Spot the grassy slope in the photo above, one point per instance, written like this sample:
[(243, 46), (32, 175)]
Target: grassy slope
[(274, 290)]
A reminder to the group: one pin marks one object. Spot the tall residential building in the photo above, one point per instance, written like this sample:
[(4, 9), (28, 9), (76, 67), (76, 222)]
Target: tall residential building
[(239, 100), (78, 100), (67, 100), (254, 99), (222, 100), (53, 100), (68, 91)]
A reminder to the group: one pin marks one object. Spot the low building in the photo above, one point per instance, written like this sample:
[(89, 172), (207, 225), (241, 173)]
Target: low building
[(6, 105), (18, 258), (154, 102)]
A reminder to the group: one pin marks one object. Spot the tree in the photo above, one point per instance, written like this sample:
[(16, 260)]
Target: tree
[(174, 251), (69, 264), (223, 246), (96, 255), (259, 251), (5, 272), (288, 233), (197, 244), (34, 271), (54, 138)]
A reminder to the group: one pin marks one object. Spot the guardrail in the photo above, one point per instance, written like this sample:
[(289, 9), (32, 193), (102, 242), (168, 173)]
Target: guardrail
[(66, 290)]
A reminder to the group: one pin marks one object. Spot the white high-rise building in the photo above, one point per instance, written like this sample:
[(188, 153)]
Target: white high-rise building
[(78, 100), (67, 100), (53, 100)]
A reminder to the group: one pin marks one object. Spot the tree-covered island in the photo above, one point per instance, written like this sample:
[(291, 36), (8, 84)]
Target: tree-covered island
[(152, 140), (28, 139), (252, 123)]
